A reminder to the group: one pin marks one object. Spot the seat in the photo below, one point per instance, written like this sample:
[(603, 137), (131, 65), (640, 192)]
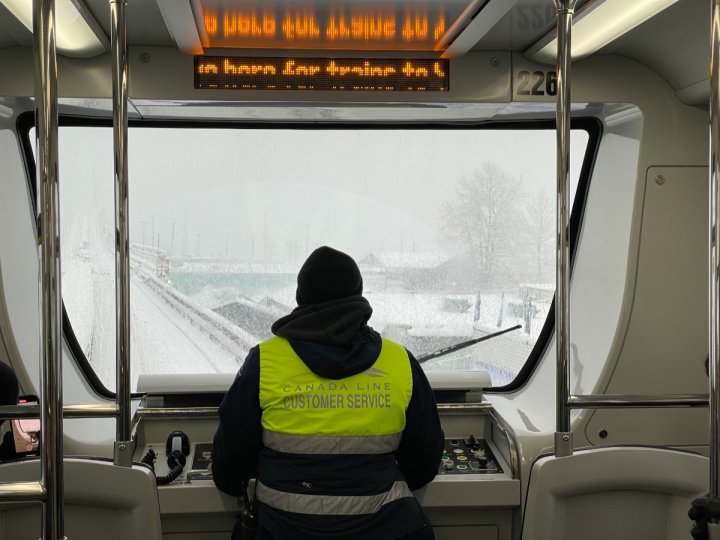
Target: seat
[(102, 500), (633, 493)]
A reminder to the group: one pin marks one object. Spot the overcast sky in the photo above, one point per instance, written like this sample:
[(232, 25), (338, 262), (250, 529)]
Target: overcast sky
[(271, 193)]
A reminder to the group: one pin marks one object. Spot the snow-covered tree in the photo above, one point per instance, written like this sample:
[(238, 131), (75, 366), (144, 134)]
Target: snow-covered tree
[(538, 232), (482, 218)]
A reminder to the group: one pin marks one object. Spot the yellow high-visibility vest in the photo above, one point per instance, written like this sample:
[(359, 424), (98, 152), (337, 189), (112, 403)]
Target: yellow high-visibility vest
[(305, 413)]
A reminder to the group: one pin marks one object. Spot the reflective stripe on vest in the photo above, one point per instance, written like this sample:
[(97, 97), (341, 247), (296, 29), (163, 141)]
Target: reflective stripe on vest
[(328, 444), (330, 505), (305, 413)]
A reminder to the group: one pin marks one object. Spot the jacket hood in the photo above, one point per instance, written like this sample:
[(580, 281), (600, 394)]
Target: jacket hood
[(332, 338), (331, 323)]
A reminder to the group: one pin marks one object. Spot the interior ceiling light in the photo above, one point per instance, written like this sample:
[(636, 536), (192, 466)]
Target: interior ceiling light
[(78, 33), (598, 23)]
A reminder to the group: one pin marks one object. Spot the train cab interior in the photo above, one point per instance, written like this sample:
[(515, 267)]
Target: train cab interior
[(528, 188)]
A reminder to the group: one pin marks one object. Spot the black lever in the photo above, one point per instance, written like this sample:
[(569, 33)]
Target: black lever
[(177, 448)]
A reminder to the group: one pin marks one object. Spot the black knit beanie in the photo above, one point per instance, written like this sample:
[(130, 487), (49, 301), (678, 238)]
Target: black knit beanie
[(327, 274)]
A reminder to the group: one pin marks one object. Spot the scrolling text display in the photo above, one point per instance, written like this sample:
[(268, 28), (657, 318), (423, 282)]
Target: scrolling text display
[(389, 75)]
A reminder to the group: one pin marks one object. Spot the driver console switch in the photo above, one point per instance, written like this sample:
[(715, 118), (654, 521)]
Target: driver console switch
[(468, 456)]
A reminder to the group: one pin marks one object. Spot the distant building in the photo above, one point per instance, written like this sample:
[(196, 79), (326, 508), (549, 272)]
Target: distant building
[(537, 292), (397, 260), (408, 271)]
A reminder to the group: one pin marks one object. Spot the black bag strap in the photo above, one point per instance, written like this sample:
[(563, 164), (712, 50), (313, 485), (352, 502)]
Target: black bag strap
[(246, 524)]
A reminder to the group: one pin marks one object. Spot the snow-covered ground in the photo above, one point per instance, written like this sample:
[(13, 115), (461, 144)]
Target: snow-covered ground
[(423, 323), (162, 339), (166, 339)]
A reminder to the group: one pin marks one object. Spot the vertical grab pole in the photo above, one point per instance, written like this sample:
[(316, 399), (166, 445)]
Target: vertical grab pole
[(714, 315), (563, 435), (46, 118), (118, 38)]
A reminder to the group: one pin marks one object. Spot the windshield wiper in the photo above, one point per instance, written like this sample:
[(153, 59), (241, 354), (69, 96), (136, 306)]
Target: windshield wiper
[(452, 348)]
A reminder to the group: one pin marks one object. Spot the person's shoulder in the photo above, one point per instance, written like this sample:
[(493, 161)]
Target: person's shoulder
[(272, 341), (397, 345), (251, 363)]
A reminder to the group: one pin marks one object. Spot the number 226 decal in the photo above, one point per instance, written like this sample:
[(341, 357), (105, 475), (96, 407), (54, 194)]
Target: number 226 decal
[(536, 83)]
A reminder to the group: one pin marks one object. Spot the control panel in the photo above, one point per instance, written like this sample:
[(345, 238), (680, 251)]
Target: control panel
[(201, 462), (460, 456), (468, 456), (474, 495)]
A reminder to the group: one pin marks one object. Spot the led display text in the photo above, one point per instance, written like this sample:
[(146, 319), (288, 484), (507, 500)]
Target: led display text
[(343, 74)]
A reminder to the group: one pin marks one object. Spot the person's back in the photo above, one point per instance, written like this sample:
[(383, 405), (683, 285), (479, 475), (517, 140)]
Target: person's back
[(338, 423)]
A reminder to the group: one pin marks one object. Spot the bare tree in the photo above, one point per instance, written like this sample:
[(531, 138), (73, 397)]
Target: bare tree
[(538, 231), (481, 217)]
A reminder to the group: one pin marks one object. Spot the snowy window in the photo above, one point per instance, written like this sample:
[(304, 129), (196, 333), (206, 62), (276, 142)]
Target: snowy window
[(453, 230)]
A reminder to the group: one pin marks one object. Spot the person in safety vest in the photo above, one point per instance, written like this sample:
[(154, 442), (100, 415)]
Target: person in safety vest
[(337, 424)]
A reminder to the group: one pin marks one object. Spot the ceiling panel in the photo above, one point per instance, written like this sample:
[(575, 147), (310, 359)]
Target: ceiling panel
[(524, 24), (5, 39), (12, 31), (675, 43), (145, 25)]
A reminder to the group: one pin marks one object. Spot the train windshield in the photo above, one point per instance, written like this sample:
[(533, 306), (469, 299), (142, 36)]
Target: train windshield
[(452, 228)]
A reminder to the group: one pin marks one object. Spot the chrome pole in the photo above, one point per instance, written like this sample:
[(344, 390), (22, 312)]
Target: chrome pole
[(563, 435), (22, 492), (46, 119), (635, 401), (90, 410), (714, 332), (118, 39)]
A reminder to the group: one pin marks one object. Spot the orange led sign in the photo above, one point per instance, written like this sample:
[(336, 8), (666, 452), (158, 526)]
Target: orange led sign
[(414, 32), (319, 24), (291, 73)]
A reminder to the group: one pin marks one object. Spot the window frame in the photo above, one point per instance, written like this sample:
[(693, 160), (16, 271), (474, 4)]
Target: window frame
[(591, 125)]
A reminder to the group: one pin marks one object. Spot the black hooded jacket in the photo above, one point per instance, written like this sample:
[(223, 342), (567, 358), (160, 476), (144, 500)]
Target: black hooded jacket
[(334, 341)]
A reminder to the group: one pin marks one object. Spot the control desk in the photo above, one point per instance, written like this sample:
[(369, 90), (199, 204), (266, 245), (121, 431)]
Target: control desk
[(475, 495)]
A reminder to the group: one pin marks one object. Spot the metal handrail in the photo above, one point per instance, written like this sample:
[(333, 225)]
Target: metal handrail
[(118, 41), (23, 491), (563, 435), (176, 412), (49, 490), (565, 401), (625, 401), (91, 410), (714, 248), (51, 428)]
